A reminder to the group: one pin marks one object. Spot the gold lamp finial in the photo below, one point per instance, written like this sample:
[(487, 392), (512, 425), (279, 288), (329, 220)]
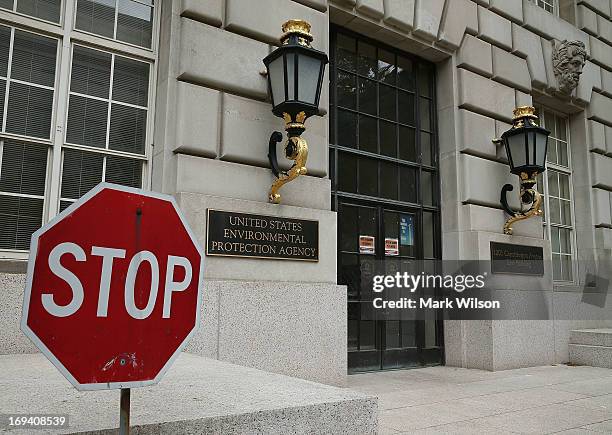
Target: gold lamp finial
[(524, 112), (300, 28)]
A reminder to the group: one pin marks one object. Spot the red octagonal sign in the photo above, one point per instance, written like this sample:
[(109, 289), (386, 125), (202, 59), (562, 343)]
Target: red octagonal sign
[(114, 288)]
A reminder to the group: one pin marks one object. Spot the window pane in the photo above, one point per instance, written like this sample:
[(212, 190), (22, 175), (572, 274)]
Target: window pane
[(5, 42), (425, 114), (96, 16), (34, 58), (427, 186), (562, 158), (550, 123), (555, 211), (408, 185), (347, 173), (20, 217), (87, 120), (131, 81), (367, 221), (81, 171), (561, 129), (135, 23), (555, 242), (566, 267), (368, 64), (7, 4), (45, 9), (428, 235), (386, 67), (346, 87), (388, 180), (367, 96), (387, 102), (368, 134), (388, 139), (406, 76), (127, 172), (24, 168), (553, 183), (90, 72), (406, 108), (29, 111), (349, 228), (407, 146), (426, 151), (346, 52), (565, 239), (425, 78), (557, 275), (564, 190), (347, 129), (127, 129), (566, 213), (368, 177)]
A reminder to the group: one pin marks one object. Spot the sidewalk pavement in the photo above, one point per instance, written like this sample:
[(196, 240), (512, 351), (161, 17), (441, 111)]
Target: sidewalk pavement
[(446, 400)]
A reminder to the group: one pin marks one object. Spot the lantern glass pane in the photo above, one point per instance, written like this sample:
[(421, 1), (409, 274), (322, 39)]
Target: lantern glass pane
[(516, 144), (309, 71), (531, 146), (541, 141), (276, 70), (291, 77)]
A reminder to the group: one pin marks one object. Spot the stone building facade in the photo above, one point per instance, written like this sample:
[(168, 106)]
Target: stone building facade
[(419, 90)]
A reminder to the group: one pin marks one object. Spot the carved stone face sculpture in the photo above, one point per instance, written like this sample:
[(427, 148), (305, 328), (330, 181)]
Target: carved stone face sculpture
[(568, 61)]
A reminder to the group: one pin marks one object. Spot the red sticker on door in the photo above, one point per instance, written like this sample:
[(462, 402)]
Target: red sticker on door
[(391, 247), (367, 245)]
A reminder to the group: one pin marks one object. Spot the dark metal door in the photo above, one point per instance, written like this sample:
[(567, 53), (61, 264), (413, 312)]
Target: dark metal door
[(384, 170)]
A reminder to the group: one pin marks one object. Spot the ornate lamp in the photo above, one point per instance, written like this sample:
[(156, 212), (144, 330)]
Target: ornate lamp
[(295, 78), (526, 145)]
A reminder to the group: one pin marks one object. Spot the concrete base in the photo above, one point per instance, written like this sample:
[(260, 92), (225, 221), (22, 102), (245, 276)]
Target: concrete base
[(591, 347), (198, 395), (295, 329)]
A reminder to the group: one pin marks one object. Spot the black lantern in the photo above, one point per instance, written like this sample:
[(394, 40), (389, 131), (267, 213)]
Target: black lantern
[(526, 145), (295, 72), (295, 79)]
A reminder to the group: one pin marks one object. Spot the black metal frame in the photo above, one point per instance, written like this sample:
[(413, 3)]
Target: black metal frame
[(420, 355)]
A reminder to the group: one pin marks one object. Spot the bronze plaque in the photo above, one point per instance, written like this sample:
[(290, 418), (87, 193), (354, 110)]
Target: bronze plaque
[(517, 259), (232, 234)]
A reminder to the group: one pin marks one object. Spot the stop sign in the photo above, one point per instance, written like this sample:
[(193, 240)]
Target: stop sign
[(113, 288)]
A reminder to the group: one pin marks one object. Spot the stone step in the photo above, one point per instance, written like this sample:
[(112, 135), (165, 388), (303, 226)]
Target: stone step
[(591, 337), (594, 356), (197, 395)]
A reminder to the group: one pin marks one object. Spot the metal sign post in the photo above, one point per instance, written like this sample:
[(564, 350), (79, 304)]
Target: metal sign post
[(124, 412)]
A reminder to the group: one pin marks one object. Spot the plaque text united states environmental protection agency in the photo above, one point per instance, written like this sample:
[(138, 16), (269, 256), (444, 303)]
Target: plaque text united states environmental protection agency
[(234, 234)]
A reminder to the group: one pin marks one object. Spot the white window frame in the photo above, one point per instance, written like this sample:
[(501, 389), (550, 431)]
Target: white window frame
[(53, 23), (552, 3), (566, 171), (68, 36)]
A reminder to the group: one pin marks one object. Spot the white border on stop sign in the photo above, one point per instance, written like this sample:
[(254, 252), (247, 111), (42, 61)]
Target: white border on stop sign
[(28, 290)]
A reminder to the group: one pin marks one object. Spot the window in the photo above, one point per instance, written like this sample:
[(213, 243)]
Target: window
[(55, 146), (107, 110), (565, 9), (27, 87), (557, 182), (48, 10), (548, 5), (129, 21)]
